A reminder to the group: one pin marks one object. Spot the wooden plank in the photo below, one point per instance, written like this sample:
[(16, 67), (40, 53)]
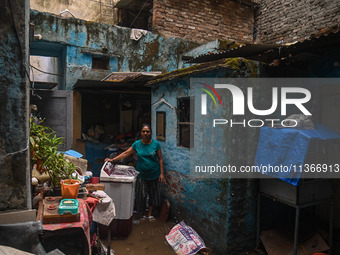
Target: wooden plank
[(16, 216), (76, 144), (40, 211), (69, 119), (53, 217), (95, 186)]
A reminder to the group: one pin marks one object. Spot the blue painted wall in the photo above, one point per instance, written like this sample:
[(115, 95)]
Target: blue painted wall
[(15, 188), (221, 210), (82, 39)]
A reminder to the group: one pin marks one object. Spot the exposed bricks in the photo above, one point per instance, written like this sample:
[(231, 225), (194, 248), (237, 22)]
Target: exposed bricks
[(203, 21), (276, 21), (279, 21)]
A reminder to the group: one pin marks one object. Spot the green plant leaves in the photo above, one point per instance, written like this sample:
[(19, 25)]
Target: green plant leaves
[(44, 148)]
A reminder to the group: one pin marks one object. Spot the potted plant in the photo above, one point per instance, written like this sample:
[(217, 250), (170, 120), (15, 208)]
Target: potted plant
[(44, 153)]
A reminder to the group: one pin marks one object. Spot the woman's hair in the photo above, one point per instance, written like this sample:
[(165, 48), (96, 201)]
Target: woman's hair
[(146, 125)]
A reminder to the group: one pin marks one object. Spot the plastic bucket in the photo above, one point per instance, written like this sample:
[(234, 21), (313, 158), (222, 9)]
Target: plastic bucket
[(94, 180), (69, 189)]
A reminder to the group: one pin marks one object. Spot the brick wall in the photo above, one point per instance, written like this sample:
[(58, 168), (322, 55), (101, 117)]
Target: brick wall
[(204, 20), (284, 21)]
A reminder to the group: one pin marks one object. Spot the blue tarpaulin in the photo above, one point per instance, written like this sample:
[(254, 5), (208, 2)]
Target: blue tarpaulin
[(73, 153), (95, 155), (288, 147)]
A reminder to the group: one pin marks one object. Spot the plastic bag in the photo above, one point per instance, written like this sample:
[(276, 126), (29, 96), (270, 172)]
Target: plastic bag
[(184, 240)]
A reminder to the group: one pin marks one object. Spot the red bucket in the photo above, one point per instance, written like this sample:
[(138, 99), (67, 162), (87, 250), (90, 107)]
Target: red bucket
[(94, 180)]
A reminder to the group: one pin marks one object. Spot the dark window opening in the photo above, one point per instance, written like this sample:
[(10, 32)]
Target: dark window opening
[(137, 14), (185, 122), (160, 125), (100, 63)]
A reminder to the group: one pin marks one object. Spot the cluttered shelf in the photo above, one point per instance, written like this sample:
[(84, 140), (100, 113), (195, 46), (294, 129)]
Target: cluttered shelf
[(56, 224)]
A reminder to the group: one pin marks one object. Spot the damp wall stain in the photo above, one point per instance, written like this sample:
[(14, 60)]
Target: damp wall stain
[(14, 157), (84, 39), (221, 210)]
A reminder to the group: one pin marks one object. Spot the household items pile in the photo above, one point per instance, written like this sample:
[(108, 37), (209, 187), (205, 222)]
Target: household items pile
[(121, 143), (54, 210)]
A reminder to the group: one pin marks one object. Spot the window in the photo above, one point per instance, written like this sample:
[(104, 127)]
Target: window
[(100, 63), (185, 122), (160, 125)]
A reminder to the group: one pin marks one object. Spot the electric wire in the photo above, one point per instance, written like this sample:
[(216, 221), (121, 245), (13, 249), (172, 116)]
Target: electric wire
[(25, 69), (17, 35), (56, 74), (139, 13), (33, 89), (16, 152)]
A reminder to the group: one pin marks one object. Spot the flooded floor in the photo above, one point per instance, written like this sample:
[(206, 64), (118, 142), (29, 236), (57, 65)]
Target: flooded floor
[(146, 238)]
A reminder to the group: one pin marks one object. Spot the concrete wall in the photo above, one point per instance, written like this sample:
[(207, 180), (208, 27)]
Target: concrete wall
[(282, 21), (14, 150), (78, 40), (91, 10), (221, 210), (203, 21)]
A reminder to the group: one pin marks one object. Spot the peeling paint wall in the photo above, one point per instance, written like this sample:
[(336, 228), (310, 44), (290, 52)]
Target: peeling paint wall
[(222, 211), (91, 10), (14, 151), (82, 39)]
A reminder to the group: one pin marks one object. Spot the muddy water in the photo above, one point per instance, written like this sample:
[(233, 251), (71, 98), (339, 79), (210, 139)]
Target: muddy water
[(146, 238)]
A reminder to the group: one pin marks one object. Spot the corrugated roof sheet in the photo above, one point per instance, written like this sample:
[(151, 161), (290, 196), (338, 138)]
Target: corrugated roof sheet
[(118, 81), (130, 76), (267, 52), (314, 46), (229, 63), (242, 50)]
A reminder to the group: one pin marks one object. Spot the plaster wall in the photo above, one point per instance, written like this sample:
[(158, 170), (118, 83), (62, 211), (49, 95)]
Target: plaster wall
[(91, 10), (82, 39), (221, 210), (14, 150)]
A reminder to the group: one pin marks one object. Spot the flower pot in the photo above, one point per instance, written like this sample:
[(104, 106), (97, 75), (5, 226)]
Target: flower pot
[(69, 189)]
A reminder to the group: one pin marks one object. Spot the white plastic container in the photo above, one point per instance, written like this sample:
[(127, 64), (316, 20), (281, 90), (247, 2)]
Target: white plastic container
[(119, 181)]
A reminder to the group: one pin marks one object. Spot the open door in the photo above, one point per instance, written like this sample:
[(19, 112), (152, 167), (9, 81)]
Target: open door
[(56, 108)]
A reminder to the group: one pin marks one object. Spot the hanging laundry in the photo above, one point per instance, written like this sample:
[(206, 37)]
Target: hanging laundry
[(136, 34)]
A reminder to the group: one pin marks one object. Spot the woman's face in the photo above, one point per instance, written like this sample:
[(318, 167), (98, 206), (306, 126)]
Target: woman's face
[(146, 132)]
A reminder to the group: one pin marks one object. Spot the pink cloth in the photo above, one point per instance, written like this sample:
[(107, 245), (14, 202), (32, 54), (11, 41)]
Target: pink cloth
[(85, 222)]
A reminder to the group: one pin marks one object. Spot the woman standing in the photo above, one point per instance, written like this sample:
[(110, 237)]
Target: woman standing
[(150, 168)]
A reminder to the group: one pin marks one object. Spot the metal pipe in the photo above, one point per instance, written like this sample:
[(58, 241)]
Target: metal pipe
[(296, 231), (66, 10), (331, 227), (258, 229)]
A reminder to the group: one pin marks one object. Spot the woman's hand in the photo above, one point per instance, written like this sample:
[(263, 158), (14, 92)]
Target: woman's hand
[(162, 179), (109, 159)]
